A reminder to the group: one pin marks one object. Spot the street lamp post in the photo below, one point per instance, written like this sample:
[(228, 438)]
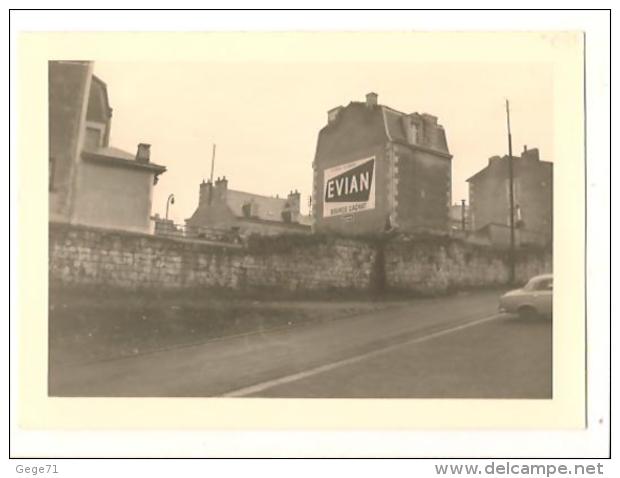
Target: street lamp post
[(511, 197), (168, 203)]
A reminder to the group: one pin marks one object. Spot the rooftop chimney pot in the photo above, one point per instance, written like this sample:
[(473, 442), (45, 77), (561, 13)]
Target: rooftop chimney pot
[(332, 114), (144, 153), (371, 99), (532, 154), (430, 118)]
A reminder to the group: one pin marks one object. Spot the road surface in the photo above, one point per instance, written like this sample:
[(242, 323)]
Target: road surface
[(453, 347)]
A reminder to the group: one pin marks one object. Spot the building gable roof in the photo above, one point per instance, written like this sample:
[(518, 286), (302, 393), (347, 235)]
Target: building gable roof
[(99, 109), (382, 123), (502, 162), (395, 128), (267, 208), (394, 124), (111, 156)]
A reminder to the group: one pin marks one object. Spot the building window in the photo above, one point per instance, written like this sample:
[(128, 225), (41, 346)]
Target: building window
[(413, 134), (515, 189), (519, 223), (92, 140), (545, 284)]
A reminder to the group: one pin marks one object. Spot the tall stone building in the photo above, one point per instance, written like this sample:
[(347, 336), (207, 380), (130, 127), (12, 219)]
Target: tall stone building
[(91, 182), (489, 198), (377, 168)]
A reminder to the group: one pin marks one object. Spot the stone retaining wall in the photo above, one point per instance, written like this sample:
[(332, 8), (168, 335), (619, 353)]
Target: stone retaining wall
[(81, 255), (428, 266)]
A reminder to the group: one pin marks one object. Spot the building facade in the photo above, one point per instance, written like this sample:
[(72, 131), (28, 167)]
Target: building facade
[(378, 169), (459, 218), (91, 182), (223, 209), (489, 198)]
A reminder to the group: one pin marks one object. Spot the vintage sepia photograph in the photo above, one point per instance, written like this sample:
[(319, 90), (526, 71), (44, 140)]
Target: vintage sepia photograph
[(265, 238), (301, 229), (309, 234)]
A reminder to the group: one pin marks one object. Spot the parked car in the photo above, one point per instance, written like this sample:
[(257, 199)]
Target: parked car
[(535, 299)]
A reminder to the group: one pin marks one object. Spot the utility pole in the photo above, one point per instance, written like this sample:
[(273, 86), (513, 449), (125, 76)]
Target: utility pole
[(211, 177), (212, 163), (511, 197), (463, 214)]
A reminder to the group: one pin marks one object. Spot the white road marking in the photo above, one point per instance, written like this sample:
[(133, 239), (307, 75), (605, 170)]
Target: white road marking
[(259, 387)]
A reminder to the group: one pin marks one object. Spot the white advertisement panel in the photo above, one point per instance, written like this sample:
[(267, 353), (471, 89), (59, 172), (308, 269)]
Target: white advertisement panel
[(349, 188)]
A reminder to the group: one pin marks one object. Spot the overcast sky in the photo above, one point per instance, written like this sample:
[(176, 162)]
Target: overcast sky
[(265, 117)]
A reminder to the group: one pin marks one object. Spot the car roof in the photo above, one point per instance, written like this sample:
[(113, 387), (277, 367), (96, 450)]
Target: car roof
[(542, 276)]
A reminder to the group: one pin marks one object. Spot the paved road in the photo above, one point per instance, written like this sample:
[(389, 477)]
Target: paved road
[(453, 347)]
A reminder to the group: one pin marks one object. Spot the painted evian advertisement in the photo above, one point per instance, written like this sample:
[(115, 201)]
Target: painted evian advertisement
[(349, 188)]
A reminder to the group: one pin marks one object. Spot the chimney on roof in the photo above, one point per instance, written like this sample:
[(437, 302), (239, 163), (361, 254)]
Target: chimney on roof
[(431, 119), (332, 115), (293, 205), (492, 159), (294, 198), (220, 189), (144, 153), (371, 99), (524, 148), (532, 154), (206, 192), (221, 182)]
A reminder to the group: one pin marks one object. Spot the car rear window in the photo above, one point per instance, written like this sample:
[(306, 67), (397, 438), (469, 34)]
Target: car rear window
[(544, 284), (539, 284)]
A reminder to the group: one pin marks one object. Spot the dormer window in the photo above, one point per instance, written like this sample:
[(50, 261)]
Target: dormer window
[(411, 128), (92, 140), (249, 209), (413, 133), (246, 209), (93, 136)]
